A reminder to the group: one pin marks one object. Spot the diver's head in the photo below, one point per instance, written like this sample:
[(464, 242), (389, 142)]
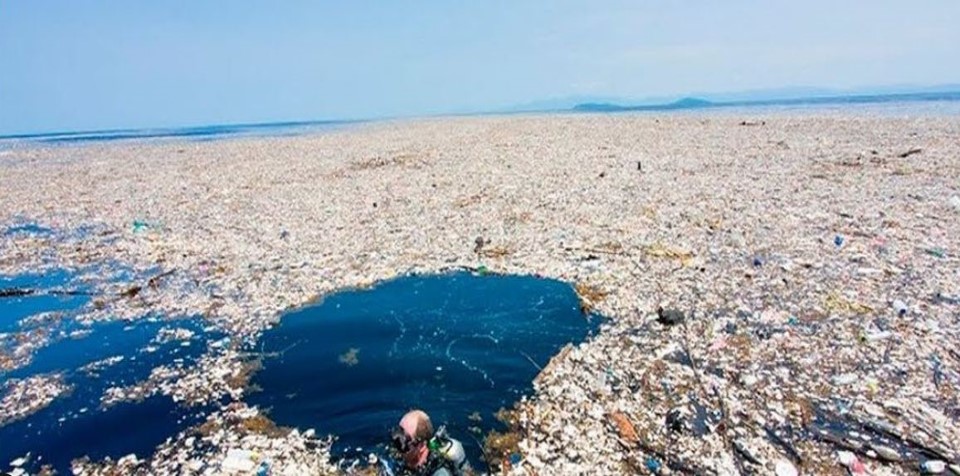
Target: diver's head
[(411, 436)]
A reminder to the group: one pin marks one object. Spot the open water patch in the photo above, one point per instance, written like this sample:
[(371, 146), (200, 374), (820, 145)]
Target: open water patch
[(17, 308), (27, 228), (459, 346), (89, 358)]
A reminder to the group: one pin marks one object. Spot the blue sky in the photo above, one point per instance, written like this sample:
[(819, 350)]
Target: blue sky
[(76, 65)]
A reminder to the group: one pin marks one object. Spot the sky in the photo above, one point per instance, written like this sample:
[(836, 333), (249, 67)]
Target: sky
[(89, 65)]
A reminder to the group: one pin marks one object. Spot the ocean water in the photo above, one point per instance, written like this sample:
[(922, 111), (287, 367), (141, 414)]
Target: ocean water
[(75, 424), (459, 346), (944, 103), (14, 310), (198, 133)]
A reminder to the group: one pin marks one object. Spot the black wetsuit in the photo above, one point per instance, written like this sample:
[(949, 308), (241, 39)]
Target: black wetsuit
[(437, 464)]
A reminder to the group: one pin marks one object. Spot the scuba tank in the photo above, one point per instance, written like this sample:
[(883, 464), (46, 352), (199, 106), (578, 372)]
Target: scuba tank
[(449, 450)]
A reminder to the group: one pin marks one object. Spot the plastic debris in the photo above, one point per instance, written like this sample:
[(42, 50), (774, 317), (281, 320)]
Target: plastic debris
[(238, 461), (886, 453), (670, 317), (677, 421), (653, 465), (224, 203), (838, 303), (785, 468), (900, 307), (624, 427), (23, 397), (838, 240), (946, 298), (845, 379), (875, 336), (659, 250), (954, 203), (933, 467), (853, 464)]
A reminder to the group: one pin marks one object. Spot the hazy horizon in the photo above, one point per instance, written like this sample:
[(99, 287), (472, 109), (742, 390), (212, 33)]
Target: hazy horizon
[(115, 65)]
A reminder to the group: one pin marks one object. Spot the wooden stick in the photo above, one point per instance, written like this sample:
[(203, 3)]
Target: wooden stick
[(130, 292), (891, 432), (22, 292)]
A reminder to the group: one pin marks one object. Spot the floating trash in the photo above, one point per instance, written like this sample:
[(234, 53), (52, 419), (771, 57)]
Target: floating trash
[(51, 403), (18, 307)]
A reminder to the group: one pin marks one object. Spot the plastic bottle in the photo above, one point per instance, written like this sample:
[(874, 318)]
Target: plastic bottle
[(933, 467), (900, 307)]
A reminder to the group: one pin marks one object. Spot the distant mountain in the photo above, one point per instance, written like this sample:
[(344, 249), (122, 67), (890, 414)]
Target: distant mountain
[(601, 103), (696, 103), (801, 92), (685, 103)]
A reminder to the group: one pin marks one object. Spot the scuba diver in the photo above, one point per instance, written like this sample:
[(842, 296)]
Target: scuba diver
[(424, 452)]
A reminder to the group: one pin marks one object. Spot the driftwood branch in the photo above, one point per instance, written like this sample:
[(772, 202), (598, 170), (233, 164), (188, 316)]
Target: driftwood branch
[(23, 292), (904, 155), (130, 292), (891, 432), (879, 428)]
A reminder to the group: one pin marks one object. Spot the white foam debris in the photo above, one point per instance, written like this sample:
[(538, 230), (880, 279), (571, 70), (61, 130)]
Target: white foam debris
[(781, 239), (23, 397), (238, 461)]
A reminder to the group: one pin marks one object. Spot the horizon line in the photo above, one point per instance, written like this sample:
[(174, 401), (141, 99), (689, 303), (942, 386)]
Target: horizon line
[(576, 108)]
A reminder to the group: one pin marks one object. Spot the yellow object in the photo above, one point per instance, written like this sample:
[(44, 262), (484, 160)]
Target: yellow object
[(837, 303), (658, 250)]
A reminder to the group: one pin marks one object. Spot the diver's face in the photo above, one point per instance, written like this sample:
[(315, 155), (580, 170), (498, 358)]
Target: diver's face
[(413, 457), (408, 447)]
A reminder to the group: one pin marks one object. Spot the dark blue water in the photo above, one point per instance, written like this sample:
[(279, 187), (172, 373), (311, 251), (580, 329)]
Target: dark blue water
[(195, 133), (75, 424), (27, 228), (212, 132), (452, 345), (13, 310)]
